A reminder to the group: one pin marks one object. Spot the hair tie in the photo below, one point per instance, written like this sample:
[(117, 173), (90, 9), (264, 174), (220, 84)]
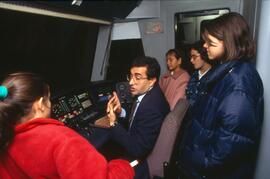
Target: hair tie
[(3, 92)]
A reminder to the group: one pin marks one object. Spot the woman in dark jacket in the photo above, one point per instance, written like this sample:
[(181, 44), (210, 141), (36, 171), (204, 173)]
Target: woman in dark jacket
[(223, 137), (202, 65)]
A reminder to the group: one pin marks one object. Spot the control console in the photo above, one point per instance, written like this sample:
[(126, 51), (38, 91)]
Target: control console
[(80, 108)]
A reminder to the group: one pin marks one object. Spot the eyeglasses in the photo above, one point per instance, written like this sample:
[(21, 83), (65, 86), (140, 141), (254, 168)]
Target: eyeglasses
[(194, 56), (135, 77)]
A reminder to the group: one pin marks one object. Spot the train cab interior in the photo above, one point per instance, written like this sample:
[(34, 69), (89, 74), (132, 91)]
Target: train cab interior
[(84, 49)]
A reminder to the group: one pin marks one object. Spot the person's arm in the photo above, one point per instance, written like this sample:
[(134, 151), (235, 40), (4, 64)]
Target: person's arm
[(181, 88), (76, 158), (118, 169), (180, 91), (114, 103), (161, 84), (142, 139), (114, 109)]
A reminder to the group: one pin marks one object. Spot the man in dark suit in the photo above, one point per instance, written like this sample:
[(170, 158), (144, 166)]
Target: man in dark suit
[(146, 117)]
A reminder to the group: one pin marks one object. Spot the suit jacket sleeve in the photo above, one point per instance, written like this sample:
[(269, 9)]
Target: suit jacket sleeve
[(140, 139)]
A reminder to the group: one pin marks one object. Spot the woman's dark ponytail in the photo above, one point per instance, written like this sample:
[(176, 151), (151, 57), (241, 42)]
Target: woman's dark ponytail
[(18, 92)]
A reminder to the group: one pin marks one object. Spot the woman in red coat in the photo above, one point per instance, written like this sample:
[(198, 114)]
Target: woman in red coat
[(34, 146)]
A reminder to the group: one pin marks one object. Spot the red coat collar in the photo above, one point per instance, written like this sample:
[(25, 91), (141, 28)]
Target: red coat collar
[(34, 123)]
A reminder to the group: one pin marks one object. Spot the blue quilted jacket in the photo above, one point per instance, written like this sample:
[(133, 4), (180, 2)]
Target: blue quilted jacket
[(195, 86), (223, 137)]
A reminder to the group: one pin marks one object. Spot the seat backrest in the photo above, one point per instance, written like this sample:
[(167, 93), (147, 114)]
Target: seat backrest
[(166, 140)]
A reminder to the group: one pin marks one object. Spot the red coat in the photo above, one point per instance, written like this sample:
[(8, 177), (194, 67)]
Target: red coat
[(45, 148)]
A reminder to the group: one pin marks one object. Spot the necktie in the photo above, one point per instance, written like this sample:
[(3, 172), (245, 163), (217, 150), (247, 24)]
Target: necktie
[(132, 112)]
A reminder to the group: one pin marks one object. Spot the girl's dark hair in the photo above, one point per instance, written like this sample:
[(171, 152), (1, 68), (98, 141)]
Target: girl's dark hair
[(234, 31), (23, 90), (177, 53), (198, 46)]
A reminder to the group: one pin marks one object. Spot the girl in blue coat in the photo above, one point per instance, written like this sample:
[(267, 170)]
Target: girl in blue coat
[(202, 66), (225, 122)]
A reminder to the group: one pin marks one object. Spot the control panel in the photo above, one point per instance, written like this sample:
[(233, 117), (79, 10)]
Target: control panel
[(69, 106), (81, 107)]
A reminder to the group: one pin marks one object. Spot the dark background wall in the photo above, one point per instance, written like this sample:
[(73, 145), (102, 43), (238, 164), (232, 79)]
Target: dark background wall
[(60, 50)]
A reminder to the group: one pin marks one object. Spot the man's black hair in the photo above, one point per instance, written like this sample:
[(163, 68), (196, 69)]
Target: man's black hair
[(151, 64)]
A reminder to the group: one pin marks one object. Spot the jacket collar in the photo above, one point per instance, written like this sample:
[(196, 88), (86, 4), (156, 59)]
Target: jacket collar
[(34, 123), (221, 70), (175, 74)]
